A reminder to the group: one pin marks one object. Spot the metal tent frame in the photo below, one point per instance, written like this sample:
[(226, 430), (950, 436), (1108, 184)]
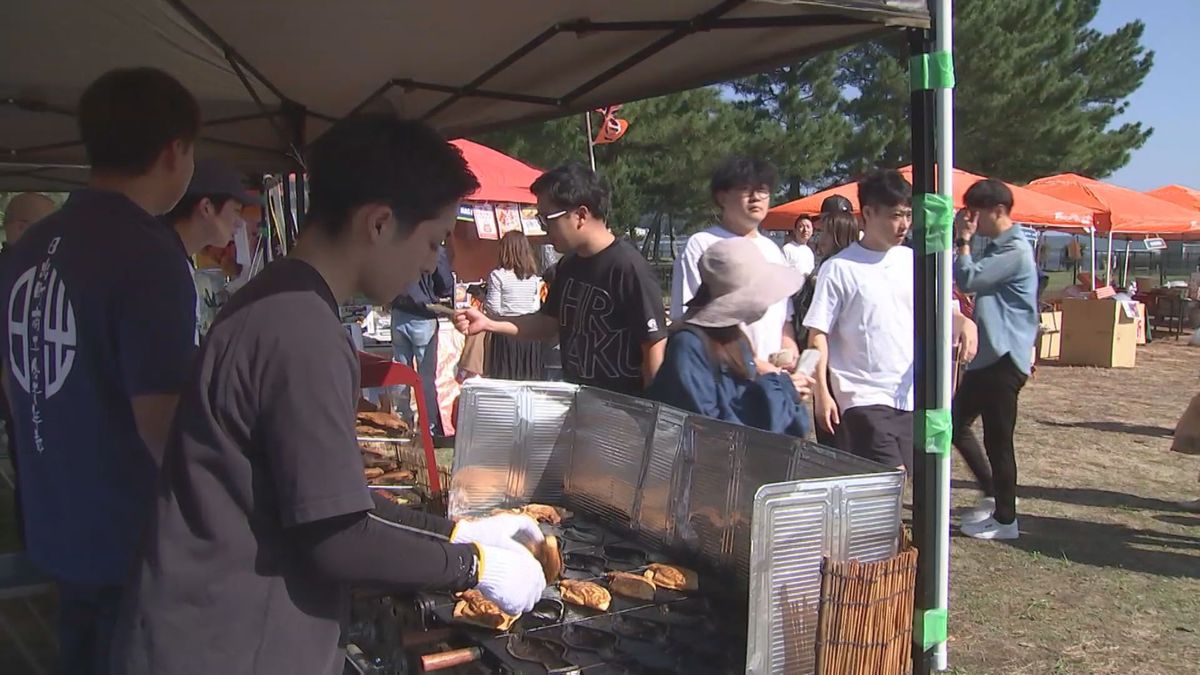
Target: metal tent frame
[(25, 167)]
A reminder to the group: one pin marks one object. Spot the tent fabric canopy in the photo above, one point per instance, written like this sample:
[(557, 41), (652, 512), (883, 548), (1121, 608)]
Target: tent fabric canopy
[(1178, 195), (1028, 207), (501, 178), (465, 66), (1120, 210)]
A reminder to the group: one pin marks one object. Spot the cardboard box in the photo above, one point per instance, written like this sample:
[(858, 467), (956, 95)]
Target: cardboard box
[(1098, 333), (1050, 336), (1141, 323)]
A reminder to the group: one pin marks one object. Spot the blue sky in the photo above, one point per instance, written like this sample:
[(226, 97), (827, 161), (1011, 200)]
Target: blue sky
[(1169, 98)]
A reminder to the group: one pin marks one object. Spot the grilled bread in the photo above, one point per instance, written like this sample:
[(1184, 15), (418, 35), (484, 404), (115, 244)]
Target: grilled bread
[(548, 554), (637, 586), (585, 594), (673, 577), (477, 610)]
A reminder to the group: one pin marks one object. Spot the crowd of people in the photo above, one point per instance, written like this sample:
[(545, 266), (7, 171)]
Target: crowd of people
[(741, 307), (221, 513), (225, 512)]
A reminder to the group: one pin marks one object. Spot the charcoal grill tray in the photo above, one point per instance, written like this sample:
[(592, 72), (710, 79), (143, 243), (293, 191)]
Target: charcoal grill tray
[(630, 650)]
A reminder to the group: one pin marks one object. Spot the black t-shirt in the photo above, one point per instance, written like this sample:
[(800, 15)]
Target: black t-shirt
[(607, 306), (263, 441), (100, 308)]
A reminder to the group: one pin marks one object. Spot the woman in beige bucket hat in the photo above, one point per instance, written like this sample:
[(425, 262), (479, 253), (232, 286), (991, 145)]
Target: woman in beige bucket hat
[(709, 367)]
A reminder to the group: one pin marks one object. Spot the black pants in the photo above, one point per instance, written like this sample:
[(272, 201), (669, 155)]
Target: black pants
[(879, 433), (87, 616), (991, 393)]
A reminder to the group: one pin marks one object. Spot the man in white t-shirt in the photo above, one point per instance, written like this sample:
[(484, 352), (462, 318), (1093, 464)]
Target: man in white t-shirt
[(741, 188), (861, 319), (797, 251)]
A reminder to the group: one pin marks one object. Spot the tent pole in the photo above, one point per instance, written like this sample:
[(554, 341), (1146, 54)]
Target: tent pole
[(1092, 255), (942, 365), (591, 143), (1108, 261), (932, 141), (1125, 274)]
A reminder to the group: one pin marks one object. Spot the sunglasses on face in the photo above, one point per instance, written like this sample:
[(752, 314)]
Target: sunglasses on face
[(545, 219)]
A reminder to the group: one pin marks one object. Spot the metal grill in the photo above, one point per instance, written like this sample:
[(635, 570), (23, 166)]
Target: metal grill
[(757, 509), (698, 632)]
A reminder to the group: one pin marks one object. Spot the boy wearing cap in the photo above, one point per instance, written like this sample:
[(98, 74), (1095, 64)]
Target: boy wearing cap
[(99, 338), (861, 319), (208, 215)]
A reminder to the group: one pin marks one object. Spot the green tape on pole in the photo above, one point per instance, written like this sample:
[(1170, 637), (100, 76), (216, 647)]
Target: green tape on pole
[(941, 70), (918, 72), (931, 71), (933, 222), (934, 436), (930, 628)]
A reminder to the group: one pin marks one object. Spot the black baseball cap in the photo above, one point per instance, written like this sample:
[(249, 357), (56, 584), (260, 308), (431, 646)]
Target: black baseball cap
[(836, 204), (213, 177)]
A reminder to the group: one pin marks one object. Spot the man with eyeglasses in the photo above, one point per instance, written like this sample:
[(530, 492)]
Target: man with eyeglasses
[(741, 188), (605, 303), (861, 320)]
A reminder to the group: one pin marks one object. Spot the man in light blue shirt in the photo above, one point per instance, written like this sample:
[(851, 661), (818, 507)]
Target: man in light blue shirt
[(1003, 279)]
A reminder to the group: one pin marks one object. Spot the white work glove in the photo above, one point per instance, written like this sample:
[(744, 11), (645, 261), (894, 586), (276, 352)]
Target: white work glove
[(510, 577), (506, 529)]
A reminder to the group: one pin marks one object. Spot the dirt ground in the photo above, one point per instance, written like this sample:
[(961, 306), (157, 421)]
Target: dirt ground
[(1105, 577)]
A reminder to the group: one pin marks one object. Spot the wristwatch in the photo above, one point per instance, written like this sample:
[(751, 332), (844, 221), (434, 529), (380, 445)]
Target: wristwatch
[(961, 243)]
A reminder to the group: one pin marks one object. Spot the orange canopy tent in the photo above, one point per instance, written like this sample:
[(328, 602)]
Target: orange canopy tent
[(1178, 194), (1183, 196), (501, 178), (1121, 210), (1028, 207)]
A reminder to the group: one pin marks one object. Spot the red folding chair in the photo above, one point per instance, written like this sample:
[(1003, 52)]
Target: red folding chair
[(377, 371)]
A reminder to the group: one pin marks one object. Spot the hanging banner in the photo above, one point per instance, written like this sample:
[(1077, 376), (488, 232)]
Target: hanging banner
[(466, 213), (508, 217), (611, 127), (530, 222), (485, 222), (612, 131)]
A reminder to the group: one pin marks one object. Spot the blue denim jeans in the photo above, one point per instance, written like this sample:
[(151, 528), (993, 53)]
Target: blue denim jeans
[(414, 343)]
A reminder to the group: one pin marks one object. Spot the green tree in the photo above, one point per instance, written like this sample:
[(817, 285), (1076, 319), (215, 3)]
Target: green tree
[(660, 168), (1038, 92), (795, 121)]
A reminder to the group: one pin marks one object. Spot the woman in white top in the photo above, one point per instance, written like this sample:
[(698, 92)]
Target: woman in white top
[(513, 289)]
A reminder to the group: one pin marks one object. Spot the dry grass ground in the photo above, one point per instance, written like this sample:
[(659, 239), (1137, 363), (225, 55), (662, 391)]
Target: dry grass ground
[(1106, 575)]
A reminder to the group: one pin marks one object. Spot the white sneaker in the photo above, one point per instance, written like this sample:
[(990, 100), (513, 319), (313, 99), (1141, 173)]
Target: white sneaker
[(990, 529), (980, 512)]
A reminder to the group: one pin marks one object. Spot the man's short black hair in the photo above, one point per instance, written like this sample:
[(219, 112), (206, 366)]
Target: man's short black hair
[(988, 193), (740, 173), (183, 209), (379, 159), (573, 185), (884, 188), (128, 116)]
